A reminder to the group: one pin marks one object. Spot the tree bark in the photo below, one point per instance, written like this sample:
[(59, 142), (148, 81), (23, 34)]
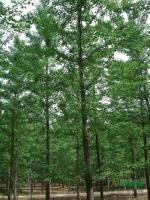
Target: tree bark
[(146, 98), (146, 165), (100, 183), (15, 181), (133, 170), (77, 168), (31, 189), (13, 156), (147, 178), (47, 126), (85, 138)]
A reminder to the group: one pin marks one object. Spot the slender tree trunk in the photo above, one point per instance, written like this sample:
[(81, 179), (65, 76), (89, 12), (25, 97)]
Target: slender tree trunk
[(133, 170), (146, 97), (108, 184), (147, 172), (77, 168), (15, 180), (88, 175), (146, 165), (47, 184), (147, 175), (78, 192), (100, 183), (31, 189), (13, 157)]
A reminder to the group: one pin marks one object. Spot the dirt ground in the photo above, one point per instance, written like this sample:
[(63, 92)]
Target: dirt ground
[(117, 197), (82, 197)]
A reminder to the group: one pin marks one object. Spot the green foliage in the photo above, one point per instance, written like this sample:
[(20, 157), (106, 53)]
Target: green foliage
[(43, 71)]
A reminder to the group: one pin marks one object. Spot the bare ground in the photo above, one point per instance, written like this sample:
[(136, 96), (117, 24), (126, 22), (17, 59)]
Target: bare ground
[(108, 196)]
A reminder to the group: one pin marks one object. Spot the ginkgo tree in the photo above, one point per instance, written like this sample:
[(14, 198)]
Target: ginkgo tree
[(64, 95)]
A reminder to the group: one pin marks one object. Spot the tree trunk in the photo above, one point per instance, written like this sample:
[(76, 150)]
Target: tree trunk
[(47, 184), (108, 185), (85, 138), (77, 168), (146, 165), (13, 156), (146, 97), (147, 178), (133, 170), (15, 181), (31, 189), (100, 183)]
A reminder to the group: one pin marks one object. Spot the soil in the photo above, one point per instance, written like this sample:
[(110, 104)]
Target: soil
[(82, 197)]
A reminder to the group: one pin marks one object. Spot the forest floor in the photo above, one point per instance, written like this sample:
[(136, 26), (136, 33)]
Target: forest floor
[(107, 196)]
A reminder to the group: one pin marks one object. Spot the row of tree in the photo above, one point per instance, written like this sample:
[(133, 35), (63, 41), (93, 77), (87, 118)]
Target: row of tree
[(69, 109)]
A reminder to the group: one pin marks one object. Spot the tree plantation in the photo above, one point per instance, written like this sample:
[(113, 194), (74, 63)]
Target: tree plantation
[(75, 99)]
